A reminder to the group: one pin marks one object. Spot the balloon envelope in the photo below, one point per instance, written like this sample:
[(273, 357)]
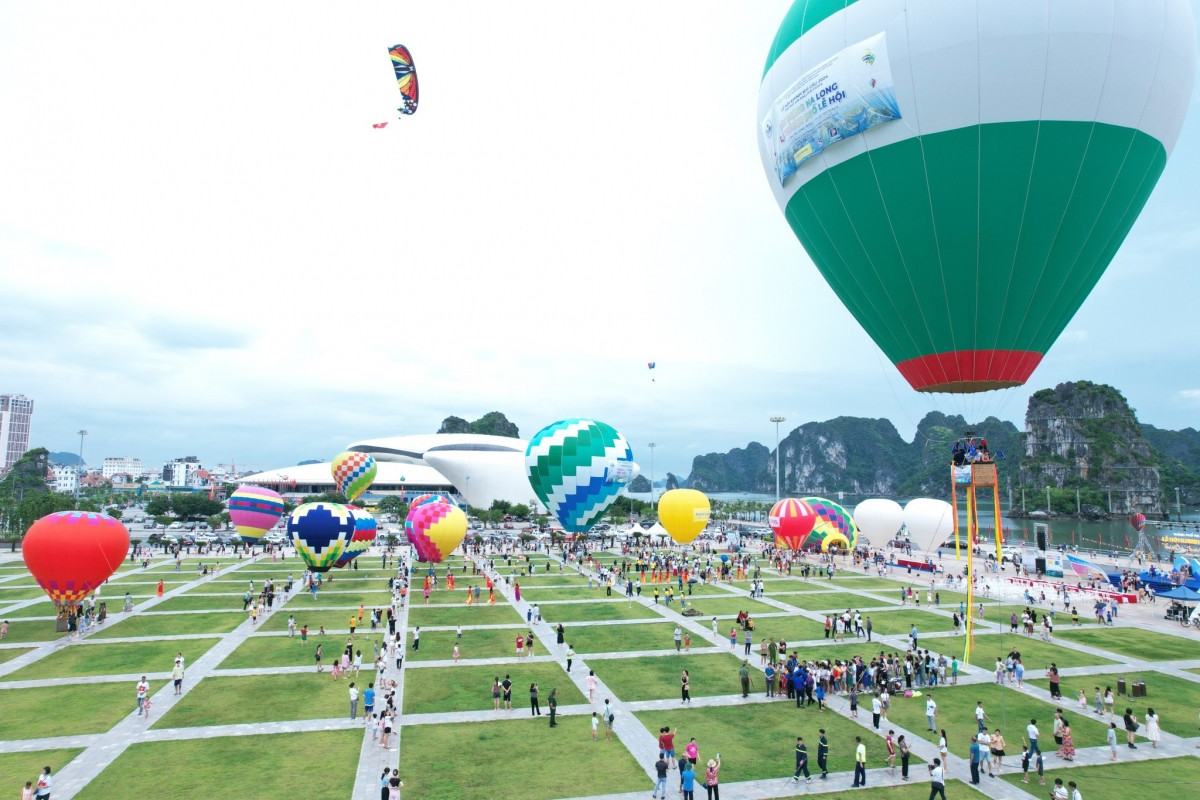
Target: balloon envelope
[(254, 511), (930, 522), (792, 520), (320, 532), (353, 473), (831, 518), (577, 467), (435, 530), (70, 553), (365, 531), (683, 513), (1138, 521), (879, 519), (995, 175)]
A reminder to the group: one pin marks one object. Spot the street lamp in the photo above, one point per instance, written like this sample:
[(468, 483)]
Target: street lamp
[(651, 446), (79, 469), (777, 420), (1178, 513)]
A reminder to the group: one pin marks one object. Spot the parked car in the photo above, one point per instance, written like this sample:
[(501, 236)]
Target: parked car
[(149, 525)]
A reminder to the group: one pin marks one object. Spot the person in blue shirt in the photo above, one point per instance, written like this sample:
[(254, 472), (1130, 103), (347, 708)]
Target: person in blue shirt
[(688, 776), (976, 758), (820, 697), (368, 700), (770, 673)]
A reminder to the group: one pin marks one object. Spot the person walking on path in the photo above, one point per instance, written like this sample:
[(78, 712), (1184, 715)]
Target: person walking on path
[(1153, 731), (976, 759), (353, 701), (143, 689), (570, 656), (931, 713), (937, 779), (876, 711), (44, 784), (711, 778), (890, 760), (553, 703), (744, 675), (905, 754), (591, 686), (609, 719), (687, 781), (860, 763), (981, 717), (660, 783), (801, 761), (1131, 726), (1112, 741), (678, 638), (823, 755), (535, 709), (1031, 733), (177, 676), (685, 687)]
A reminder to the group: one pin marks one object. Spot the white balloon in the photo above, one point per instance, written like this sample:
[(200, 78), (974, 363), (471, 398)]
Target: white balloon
[(879, 519), (930, 522)]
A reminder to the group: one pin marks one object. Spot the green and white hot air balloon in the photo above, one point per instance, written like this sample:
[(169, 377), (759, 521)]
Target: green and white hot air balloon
[(962, 172)]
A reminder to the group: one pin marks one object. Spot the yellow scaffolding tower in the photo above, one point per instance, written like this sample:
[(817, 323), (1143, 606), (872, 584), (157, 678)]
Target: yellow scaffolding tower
[(969, 478)]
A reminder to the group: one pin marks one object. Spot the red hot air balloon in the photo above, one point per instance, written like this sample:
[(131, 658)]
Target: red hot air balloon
[(70, 553), (1138, 521), (792, 520)]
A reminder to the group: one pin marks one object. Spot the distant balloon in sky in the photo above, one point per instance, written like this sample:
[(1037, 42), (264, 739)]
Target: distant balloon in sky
[(684, 513), (70, 553), (320, 532), (406, 78), (792, 520), (1138, 521), (962, 173), (434, 530), (353, 473), (577, 467), (254, 510)]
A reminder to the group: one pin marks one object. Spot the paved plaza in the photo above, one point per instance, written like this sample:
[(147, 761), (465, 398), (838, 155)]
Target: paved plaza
[(627, 642)]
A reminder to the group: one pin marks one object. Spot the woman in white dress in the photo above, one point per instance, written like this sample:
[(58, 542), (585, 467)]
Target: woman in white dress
[(1153, 732)]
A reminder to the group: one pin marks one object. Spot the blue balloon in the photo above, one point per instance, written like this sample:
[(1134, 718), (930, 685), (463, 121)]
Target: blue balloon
[(320, 532), (724, 557)]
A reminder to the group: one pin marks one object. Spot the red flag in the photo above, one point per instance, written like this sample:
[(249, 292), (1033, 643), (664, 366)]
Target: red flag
[(1127, 540), (379, 125)]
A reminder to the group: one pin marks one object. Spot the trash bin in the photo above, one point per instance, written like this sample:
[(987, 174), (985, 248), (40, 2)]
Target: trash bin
[(1139, 688), (1121, 686)]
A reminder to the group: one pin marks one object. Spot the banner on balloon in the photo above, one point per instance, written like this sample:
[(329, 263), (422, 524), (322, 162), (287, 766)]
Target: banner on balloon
[(841, 97)]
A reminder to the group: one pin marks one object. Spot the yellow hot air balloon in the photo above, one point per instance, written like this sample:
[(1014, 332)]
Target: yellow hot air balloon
[(684, 513)]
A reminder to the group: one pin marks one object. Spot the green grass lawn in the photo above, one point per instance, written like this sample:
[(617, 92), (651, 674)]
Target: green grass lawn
[(562, 593), (16, 768), (758, 741), (284, 651), (12, 594), (597, 611), (626, 638), (152, 624), (45, 609), (66, 709), (1140, 644), (332, 619), (444, 596), (1162, 777), (490, 643), (261, 698), (1035, 653), (113, 659), (225, 766), (429, 616), (469, 688), (41, 630), (657, 677), (352, 598), (793, 628), (9, 653), (897, 623), (1008, 709), (1175, 700), (502, 760), (839, 601), (728, 606), (192, 602)]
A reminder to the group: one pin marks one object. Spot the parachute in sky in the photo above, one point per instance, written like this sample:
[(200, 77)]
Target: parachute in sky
[(254, 510), (577, 467), (962, 173), (684, 513), (406, 78), (71, 553), (353, 473)]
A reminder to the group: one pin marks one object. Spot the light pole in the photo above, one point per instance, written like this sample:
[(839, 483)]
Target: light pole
[(777, 420), (1178, 513), (79, 469), (651, 446)]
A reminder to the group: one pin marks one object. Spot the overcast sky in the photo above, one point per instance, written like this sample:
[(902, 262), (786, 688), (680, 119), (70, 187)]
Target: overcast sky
[(206, 249)]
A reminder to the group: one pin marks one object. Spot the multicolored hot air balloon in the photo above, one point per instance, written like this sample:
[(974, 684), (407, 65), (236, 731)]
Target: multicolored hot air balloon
[(254, 511), (1138, 521), (320, 532), (577, 467), (365, 531), (421, 500), (792, 520), (434, 530), (70, 553), (832, 521), (353, 473), (948, 163), (683, 513)]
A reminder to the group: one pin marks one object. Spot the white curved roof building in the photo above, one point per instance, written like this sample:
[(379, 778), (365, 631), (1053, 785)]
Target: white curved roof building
[(479, 469)]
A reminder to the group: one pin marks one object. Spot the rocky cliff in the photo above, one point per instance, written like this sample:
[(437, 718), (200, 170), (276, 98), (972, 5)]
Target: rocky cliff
[(1085, 436)]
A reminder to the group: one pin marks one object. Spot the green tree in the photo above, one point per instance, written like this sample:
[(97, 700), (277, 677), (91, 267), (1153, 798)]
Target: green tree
[(455, 425), (520, 510), (159, 505), (392, 505), (325, 497), (192, 506), (115, 513), (494, 423), (503, 506)]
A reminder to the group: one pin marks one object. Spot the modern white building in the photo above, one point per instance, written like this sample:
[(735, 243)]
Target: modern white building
[(479, 469), (16, 415), (66, 478), (122, 465), (181, 471)]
